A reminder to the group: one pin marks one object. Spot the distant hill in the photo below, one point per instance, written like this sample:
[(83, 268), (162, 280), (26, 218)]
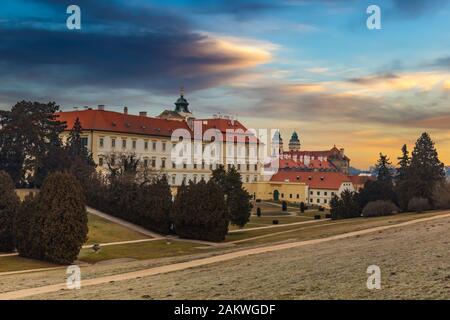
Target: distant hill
[(354, 171)]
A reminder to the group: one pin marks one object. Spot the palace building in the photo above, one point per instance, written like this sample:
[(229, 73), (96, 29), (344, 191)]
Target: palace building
[(107, 134)]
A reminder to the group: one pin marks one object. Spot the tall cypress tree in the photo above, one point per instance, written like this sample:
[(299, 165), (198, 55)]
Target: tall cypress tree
[(426, 169)]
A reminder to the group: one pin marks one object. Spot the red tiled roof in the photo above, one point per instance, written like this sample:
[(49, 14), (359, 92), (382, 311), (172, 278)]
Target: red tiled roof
[(103, 120), (315, 180), (359, 180)]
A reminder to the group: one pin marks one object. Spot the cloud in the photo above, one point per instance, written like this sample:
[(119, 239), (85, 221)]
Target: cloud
[(151, 54)]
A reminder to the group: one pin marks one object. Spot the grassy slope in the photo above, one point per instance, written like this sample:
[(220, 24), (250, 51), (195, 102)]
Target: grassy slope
[(104, 231)]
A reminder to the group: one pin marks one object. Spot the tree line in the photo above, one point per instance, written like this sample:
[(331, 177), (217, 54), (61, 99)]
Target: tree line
[(417, 183)]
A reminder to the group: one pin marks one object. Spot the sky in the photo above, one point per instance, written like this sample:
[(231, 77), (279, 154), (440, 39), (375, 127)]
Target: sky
[(311, 66)]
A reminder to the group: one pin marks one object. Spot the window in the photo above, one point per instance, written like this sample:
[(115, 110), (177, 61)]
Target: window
[(318, 193), (239, 167), (210, 166), (101, 142), (146, 145), (174, 177), (325, 193), (184, 165), (311, 193), (325, 201), (113, 143), (174, 165), (318, 200), (163, 146), (311, 200), (298, 196), (145, 163), (153, 145), (153, 162), (282, 195), (195, 166), (255, 178), (248, 167), (256, 167), (163, 162), (203, 164), (332, 193), (229, 166), (124, 143), (100, 161), (290, 196), (134, 144), (247, 179), (84, 141)]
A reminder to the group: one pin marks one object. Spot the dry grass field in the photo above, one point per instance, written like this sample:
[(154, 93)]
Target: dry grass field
[(414, 261)]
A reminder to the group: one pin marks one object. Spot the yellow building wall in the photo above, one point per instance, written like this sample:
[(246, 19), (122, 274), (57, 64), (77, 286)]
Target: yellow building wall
[(294, 192)]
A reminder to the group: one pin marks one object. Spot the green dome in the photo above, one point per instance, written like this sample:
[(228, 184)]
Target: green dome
[(294, 137), (181, 105)]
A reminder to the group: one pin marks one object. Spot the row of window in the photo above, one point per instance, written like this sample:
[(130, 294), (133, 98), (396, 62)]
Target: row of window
[(152, 162), (325, 193), (133, 144)]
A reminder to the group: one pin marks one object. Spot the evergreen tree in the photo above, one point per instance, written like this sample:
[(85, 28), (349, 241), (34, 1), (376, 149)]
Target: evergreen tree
[(237, 198), (58, 221), (27, 132), (200, 212), (402, 186), (426, 170), (9, 206), (382, 188), (346, 206)]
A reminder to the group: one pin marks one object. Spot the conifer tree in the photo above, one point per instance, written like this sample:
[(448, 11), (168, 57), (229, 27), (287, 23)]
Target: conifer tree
[(9, 206), (402, 187), (57, 221), (426, 169)]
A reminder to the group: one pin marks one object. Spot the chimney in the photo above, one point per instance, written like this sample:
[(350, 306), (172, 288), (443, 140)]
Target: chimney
[(143, 113), (125, 110), (101, 107), (341, 152)]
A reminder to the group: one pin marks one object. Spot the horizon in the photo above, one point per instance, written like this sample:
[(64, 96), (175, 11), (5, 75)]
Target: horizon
[(313, 66)]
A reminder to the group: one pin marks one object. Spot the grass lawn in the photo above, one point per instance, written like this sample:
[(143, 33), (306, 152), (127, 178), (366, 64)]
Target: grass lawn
[(322, 229), (16, 263), (140, 251), (104, 231), (265, 221)]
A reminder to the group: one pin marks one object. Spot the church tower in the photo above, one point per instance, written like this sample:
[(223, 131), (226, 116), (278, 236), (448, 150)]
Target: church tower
[(181, 111), (294, 143), (277, 144)]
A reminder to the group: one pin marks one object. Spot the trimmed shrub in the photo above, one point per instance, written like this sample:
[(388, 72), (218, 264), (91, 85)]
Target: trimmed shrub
[(328, 216), (317, 217), (258, 212), (321, 209), (200, 212), (284, 206), (418, 204), (9, 206), (57, 221), (379, 208), (239, 207), (275, 221), (302, 207)]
